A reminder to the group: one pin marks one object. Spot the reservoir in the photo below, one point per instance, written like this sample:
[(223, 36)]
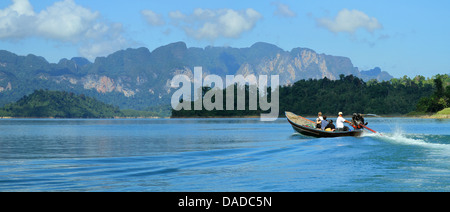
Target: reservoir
[(223, 154)]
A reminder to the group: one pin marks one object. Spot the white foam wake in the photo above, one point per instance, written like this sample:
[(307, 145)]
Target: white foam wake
[(400, 137)]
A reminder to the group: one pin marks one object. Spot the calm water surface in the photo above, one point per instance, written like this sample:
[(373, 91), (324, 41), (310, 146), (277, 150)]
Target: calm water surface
[(220, 155)]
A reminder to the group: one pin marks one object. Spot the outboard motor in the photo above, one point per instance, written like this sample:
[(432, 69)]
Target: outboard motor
[(358, 120)]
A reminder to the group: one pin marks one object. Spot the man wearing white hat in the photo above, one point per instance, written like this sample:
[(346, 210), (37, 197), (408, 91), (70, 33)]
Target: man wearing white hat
[(340, 123)]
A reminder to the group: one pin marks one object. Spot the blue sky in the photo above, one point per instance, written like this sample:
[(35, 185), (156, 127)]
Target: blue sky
[(401, 37)]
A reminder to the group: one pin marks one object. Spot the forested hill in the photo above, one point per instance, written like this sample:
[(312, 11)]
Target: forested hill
[(59, 104), (349, 94)]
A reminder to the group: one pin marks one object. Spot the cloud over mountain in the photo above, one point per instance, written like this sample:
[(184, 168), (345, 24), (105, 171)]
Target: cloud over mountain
[(349, 21), (152, 18), (209, 24), (64, 21)]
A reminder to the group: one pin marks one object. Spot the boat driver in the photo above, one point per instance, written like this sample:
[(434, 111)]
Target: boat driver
[(340, 123)]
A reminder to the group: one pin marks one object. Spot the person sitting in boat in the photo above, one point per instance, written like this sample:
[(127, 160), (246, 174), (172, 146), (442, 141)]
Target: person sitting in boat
[(324, 122), (358, 120), (319, 120), (330, 126), (340, 123)]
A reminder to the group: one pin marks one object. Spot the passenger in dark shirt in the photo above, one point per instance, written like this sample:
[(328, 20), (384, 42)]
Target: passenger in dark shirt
[(331, 126)]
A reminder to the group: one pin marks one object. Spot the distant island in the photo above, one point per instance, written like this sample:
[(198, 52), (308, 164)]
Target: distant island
[(60, 104)]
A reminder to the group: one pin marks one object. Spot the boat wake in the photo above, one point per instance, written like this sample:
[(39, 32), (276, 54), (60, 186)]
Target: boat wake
[(423, 140)]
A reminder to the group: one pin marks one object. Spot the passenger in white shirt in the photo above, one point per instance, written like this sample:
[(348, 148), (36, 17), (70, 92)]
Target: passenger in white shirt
[(340, 123)]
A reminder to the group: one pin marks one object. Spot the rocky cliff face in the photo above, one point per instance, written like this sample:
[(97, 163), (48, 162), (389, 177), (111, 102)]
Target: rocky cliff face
[(138, 78), (7, 88), (300, 63), (104, 84)]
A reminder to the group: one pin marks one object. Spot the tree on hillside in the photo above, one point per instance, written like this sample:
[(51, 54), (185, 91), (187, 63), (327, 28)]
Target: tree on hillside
[(439, 100)]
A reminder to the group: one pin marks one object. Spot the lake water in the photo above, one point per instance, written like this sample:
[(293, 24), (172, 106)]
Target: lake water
[(220, 155)]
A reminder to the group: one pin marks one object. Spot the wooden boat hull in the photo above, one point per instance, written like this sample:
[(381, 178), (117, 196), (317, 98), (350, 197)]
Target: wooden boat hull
[(310, 131)]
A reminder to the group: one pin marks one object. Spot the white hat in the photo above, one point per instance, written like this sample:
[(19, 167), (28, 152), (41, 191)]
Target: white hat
[(340, 113)]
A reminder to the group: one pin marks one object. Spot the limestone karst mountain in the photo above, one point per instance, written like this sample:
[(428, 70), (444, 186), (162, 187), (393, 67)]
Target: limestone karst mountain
[(139, 78)]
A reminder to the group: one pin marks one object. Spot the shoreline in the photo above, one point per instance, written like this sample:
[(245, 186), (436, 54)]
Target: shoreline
[(433, 116), (152, 117)]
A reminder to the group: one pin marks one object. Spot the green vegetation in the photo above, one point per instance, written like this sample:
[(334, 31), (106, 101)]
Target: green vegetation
[(443, 114), (220, 113), (349, 94), (59, 104), (445, 111), (439, 100)]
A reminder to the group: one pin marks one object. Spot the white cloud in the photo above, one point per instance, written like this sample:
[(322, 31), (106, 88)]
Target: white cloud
[(349, 21), (177, 15), (283, 10), (103, 39), (22, 7), (212, 24), (153, 18), (15, 19), (64, 21)]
